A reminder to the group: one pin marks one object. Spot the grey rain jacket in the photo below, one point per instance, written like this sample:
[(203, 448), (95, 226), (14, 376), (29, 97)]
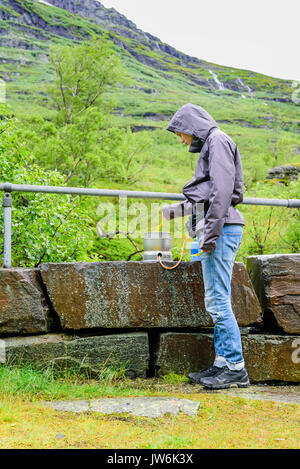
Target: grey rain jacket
[(218, 179)]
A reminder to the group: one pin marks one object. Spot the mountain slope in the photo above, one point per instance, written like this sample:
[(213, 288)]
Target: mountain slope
[(162, 78), (257, 111), (112, 20), (37, 19)]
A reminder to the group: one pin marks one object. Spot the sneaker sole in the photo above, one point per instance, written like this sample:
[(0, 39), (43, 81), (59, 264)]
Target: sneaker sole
[(199, 381), (192, 381), (195, 381), (228, 386)]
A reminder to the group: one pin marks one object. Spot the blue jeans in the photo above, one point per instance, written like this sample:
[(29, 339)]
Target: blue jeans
[(217, 273)]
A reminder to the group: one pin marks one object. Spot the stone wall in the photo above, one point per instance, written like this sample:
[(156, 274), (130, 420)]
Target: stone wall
[(276, 279), (151, 320)]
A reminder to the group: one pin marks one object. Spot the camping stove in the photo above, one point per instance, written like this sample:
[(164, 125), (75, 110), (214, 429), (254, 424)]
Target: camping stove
[(156, 243)]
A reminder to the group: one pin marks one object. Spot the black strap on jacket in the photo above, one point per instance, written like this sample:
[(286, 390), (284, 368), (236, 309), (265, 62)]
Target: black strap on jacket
[(206, 207)]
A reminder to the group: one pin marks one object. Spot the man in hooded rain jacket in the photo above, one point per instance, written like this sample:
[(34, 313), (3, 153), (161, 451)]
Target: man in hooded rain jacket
[(218, 184)]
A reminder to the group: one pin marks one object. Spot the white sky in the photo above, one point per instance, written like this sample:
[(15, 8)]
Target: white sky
[(258, 35)]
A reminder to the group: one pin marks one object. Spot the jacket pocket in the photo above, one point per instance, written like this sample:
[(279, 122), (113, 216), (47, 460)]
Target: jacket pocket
[(230, 245)]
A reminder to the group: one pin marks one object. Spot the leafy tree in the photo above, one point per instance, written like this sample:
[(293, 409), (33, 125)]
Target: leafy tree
[(82, 75), (271, 230), (91, 150), (125, 155), (83, 142), (45, 227)]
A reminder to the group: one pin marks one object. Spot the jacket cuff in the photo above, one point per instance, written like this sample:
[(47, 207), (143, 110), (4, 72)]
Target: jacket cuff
[(180, 209), (168, 213), (209, 247)]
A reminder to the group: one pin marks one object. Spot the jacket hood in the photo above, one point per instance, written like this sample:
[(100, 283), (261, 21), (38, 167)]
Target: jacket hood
[(193, 120)]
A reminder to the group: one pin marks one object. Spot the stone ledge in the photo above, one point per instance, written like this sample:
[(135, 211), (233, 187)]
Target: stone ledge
[(23, 307), (267, 357), (131, 349), (140, 295)]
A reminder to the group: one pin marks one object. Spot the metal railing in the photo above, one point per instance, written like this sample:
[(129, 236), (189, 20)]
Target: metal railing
[(8, 188)]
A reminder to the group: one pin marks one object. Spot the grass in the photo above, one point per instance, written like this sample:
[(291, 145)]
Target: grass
[(266, 133), (31, 383), (222, 421)]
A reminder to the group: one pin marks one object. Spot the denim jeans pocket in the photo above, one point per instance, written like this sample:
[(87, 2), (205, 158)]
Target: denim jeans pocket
[(230, 245)]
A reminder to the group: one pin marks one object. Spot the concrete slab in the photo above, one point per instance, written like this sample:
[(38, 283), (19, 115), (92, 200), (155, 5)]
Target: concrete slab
[(140, 406)]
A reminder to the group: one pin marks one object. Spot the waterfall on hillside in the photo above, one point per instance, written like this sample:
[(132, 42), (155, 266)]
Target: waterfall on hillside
[(246, 87), (219, 84), (45, 3)]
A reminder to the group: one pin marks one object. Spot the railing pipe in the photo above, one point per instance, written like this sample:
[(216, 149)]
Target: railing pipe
[(7, 205), (8, 188), (290, 203)]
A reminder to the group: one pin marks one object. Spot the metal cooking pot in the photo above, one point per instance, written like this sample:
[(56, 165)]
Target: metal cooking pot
[(156, 243)]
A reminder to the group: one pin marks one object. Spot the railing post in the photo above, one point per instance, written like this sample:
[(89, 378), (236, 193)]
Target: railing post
[(7, 204)]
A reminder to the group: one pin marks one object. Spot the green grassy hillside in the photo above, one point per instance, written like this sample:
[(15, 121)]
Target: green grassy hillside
[(257, 111)]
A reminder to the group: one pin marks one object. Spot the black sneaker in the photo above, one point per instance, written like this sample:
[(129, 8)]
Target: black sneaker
[(195, 378), (227, 379)]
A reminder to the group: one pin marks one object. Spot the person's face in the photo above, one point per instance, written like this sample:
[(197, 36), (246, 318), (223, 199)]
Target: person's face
[(185, 138)]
